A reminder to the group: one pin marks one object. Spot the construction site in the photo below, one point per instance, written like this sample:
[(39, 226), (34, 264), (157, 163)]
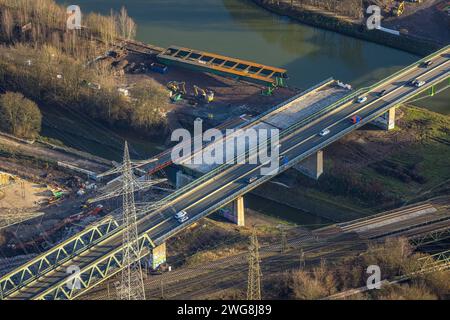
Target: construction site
[(128, 222)]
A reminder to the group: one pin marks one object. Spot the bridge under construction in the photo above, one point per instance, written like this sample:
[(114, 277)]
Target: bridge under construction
[(222, 65), (99, 250)]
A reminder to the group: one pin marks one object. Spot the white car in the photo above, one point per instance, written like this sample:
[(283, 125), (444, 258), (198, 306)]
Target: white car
[(418, 83), (324, 132), (182, 216), (252, 179), (362, 99)]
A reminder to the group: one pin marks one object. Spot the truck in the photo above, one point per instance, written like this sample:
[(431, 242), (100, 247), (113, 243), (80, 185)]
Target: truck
[(159, 68)]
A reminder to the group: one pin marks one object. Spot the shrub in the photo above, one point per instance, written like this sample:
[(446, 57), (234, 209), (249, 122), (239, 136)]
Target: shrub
[(19, 115)]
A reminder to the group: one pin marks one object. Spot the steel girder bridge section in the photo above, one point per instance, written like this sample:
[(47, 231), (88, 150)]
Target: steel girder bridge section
[(31, 271), (222, 65), (95, 273)]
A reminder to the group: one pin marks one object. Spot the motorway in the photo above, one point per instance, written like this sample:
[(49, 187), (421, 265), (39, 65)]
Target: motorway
[(230, 183)]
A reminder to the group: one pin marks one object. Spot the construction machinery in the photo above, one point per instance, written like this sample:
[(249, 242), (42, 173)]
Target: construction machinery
[(202, 95), (177, 90), (268, 91), (398, 8)]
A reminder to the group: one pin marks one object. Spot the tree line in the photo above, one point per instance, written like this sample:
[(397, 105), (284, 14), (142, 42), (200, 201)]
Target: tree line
[(351, 8), (50, 65)]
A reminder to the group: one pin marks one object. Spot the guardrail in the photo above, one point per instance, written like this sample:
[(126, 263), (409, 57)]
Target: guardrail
[(291, 163), (345, 99), (59, 254)]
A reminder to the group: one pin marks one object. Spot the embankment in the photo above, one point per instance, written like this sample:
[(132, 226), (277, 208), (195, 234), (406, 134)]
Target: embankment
[(403, 42)]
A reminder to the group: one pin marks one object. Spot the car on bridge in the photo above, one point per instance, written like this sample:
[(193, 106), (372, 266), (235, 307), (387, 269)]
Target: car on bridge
[(324, 132), (355, 119), (361, 99), (182, 216), (418, 83), (252, 179), (382, 92), (427, 63)]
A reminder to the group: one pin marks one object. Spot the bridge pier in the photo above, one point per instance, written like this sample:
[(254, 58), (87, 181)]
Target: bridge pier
[(312, 166), (387, 120), (158, 256), (235, 212), (183, 179)]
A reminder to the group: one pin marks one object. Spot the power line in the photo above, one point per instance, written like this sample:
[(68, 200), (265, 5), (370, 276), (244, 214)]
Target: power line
[(254, 270)]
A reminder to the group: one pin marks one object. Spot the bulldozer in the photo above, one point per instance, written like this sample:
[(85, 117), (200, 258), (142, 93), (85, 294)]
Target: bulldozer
[(205, 96)]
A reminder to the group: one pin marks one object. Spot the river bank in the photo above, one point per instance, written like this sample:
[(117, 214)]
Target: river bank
[(350, 27)]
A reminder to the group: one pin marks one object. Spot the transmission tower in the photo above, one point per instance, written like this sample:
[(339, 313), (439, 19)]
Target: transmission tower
[(254, 271), (132, 285), (283, 239), (302, 258)]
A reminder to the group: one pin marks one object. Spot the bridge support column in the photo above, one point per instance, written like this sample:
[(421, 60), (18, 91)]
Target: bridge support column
[(183, 179), (432, 91), (158, 256), (387, 120), (312, 166), (235, 212)]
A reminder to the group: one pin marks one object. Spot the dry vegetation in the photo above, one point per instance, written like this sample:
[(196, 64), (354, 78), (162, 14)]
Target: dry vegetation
[(350, 8), (20, 116), (50, 65), (48, 19), (395, 258)]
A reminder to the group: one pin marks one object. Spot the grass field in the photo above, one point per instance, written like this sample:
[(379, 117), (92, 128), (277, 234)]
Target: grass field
[(424, 166)]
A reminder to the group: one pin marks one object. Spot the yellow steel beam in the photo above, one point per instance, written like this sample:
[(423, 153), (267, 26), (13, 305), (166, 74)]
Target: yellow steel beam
[(218, 62)]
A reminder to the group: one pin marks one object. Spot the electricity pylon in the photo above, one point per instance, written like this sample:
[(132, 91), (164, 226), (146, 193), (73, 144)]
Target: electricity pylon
[(254, 271), (283, 239), (132, 286), (302, 258)]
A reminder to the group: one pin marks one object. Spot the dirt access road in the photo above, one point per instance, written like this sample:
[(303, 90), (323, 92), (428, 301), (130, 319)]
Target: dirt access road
[(426, 20), (46, 153)]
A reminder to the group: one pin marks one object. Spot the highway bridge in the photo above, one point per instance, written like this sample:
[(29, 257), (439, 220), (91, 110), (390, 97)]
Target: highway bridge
[(97, 251)]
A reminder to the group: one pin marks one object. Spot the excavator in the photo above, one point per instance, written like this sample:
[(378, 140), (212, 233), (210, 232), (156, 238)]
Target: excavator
[(205, 96), (392, 7), (177, 90), (398, 8)]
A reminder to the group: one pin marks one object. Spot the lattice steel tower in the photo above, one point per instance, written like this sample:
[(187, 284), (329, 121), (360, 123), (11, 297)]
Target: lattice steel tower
[(254, 271), (132, 286)]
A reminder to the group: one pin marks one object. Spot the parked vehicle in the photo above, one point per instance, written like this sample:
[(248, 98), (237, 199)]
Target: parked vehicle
[(159, 68), (160, 269), (324, 132)]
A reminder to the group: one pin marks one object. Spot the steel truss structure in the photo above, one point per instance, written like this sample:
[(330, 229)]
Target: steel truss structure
[(59, 254), (95, 273)]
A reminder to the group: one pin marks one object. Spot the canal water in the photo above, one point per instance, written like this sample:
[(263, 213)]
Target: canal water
[(239, 28)]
